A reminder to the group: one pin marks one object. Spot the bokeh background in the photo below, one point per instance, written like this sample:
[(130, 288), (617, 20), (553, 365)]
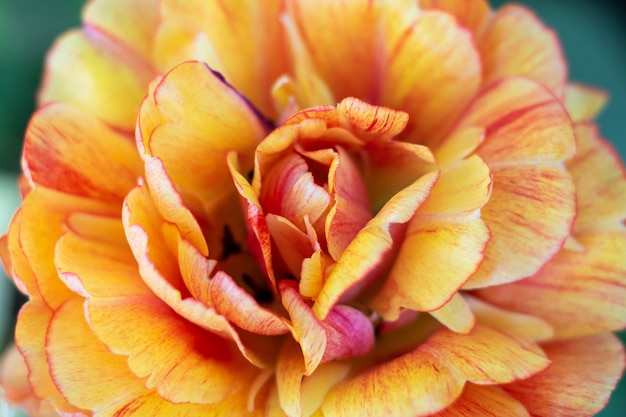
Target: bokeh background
[(593, 34)]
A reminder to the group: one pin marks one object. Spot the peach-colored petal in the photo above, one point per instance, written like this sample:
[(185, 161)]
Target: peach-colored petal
[(70, 344), (583, 374), (71, 151), (350, 210), (30, 337), (344, 333), (15, 262), (517, 43), (202, 119), (37, 239), (151, 404), (174, 355), (528, 135), (443, 246), (429, 378), (15, 387), (473, 15), (377, 237), (243, 41), (80, 63), (242, 309), (131, 22), (293, 244), (600, 181), (315, 386), (583, 103), (484, 402), (579, 293), (97, 269), (456, 315)]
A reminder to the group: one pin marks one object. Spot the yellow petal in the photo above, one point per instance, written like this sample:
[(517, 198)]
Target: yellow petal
[(69, 150), (177, 366), (517, 43), (81, 63), (134, 22), (584, 371), (76, 359), (485, 402), (245, 42), (201, 119), (600, 181), (473, 15), (579, 293), (583, 103), (456, 315)]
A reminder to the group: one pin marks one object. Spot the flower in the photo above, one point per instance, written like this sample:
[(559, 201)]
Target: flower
[(319, 208)]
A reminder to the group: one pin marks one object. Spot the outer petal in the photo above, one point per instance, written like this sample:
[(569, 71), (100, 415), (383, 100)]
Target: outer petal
[(583, 374), (132, 22), (485, 402), (444, 244), (583, 103), (528, 135), (175, 356), (234, 39), (71, 151), (474, 15), (516, 43), (88, 60), (431, 377), (191, 122)]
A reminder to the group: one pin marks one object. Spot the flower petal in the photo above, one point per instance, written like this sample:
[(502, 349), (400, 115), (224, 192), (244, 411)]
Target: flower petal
[(429, 378), (484, 402), (70, 344), (234, 39), (131, 22), (583, 103), (517, 43), (80, 63), (583, 374), (473, 15), (579, 293), (193, 103), (70, 151), (174, 355)]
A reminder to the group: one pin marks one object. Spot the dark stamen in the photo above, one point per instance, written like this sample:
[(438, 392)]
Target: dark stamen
[(231, 247), (260, 293)]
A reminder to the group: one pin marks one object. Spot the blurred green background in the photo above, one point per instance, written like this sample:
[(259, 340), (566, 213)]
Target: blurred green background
[(593, 33)]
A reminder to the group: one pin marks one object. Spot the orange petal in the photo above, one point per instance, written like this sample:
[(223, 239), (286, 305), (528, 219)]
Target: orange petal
[(134, 22), (429, 378), (242, 309), (344, 333), (38, 238), (210, 108), (440, 83), (97, 269), (579, 382), (70, 151), (485, 402), (443, 246), (578, 293), (76, 359), (177, 365), (377, 237), (30, 338), (81, 63), (351, 209), (601, 197), (293, 244), (15, 262), (517, 43), (531, 209), (456, 315), (583, 103), (233, 39), (473, 15)]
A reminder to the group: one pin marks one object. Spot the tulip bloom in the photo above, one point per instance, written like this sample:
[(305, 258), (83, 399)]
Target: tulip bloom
[(319, 208)]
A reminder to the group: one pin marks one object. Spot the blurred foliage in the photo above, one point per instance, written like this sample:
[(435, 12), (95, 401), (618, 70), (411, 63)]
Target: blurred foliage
[(593, 33)]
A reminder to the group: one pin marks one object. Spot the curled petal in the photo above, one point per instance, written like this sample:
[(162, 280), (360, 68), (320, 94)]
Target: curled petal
[(579, 382), (583, 103)]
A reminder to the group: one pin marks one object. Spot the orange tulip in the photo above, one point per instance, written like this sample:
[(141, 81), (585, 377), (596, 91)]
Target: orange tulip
[(331, 208)]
